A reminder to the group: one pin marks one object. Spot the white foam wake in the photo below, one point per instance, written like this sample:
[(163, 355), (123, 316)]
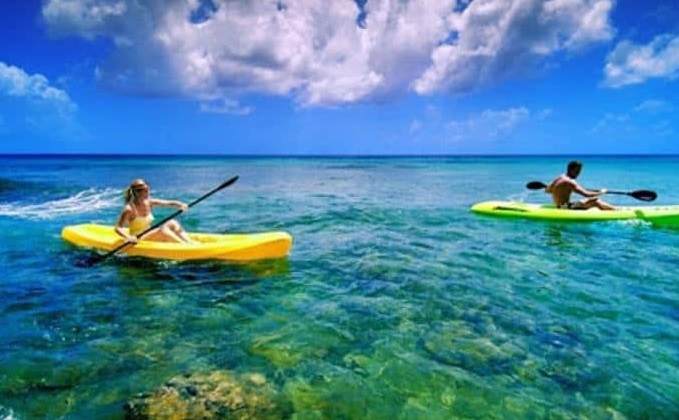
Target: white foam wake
[(83, 202)]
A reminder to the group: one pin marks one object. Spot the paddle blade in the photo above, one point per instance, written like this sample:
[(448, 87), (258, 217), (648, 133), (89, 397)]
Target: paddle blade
[(97, 258), (89, 261), (227, 183), (643, 195), (536, 185)]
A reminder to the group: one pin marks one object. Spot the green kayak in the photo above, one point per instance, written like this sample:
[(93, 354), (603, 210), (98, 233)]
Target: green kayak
[(664, 215)]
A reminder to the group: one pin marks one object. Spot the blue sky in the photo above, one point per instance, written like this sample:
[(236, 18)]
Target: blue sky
[(341, 77)]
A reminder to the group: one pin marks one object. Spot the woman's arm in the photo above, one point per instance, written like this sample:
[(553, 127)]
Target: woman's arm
[(168, 203), (122, 220)]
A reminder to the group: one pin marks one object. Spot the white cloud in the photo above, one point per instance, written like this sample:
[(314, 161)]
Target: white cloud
[(545, 113), (489, 125), (88, 18), (610, 121), (649, 118), (654, 106), (630, 63), (325, 53), (15, 82), (496, 38), (30, 103), (225, 106)]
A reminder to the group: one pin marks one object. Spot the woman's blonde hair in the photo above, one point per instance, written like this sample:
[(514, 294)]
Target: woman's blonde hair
[(130, 193)]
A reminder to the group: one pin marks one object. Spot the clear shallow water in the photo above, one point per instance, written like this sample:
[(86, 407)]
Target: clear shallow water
[(396, 301)]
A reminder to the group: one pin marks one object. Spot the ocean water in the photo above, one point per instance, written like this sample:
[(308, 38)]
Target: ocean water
[(395, 302)]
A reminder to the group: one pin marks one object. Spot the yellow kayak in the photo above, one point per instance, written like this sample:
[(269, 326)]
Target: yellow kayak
[(228, 247)]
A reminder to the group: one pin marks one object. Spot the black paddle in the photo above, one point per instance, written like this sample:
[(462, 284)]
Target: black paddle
[(643, 195), (99, 258)]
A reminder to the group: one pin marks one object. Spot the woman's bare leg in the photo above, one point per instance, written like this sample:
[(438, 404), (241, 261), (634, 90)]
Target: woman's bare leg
[(162, 234), (171, 231), (178, 231)]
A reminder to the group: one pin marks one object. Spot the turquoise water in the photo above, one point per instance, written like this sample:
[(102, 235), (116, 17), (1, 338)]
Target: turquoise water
[(396, 301)]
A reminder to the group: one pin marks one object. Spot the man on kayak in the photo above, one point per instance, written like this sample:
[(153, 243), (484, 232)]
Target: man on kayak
[(564, 184)]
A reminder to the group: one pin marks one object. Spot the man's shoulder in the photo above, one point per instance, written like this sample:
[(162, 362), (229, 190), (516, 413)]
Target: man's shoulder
[(566, 178), (561, 178)]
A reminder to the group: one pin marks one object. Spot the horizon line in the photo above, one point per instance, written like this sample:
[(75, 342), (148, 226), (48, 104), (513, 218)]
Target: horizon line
[(329, 155)]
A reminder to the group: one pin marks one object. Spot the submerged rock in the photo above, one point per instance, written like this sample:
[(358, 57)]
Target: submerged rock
[(456, 344), (217, 395)]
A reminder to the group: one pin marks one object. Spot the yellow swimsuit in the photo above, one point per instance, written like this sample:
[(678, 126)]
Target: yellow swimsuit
[(140, 224)]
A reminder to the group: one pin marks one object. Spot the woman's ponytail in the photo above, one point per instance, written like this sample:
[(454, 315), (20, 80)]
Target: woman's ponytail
[(129, 193)]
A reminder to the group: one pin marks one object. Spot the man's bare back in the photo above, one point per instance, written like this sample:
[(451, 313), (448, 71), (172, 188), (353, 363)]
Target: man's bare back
[(563, 186), (561, 189)]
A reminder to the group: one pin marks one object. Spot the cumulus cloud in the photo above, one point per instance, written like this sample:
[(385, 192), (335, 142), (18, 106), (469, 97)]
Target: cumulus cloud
[(35, 88), (325, 53), (30, 103), (631, 63), (91, 18), (495, 39)]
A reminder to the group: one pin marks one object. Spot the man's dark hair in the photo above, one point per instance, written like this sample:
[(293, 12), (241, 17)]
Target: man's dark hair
[(573, 165)]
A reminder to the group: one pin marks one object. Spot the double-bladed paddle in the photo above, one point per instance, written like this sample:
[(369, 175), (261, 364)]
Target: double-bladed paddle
[(643, 195), (98, 258)]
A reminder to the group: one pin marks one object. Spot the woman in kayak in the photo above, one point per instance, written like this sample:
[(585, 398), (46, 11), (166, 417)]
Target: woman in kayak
[(137, 215), (564, 184)]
